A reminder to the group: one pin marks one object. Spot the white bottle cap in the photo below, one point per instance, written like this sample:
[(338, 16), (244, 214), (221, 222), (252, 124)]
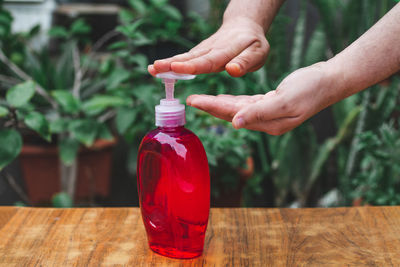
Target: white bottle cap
[(170, 113)]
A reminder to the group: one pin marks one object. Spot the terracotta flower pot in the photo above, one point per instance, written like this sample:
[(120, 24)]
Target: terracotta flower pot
[(41, 171)]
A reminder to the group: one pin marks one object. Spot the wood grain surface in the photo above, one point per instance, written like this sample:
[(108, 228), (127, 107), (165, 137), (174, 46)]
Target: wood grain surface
[(363, 236)]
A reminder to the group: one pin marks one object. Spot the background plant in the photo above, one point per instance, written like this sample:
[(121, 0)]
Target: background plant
[(289, 168), (296, 169), (301, 162), (63, 97), (378, 179)]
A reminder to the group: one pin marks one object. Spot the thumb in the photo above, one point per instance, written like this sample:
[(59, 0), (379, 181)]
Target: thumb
[(265, 109), (250, 59)]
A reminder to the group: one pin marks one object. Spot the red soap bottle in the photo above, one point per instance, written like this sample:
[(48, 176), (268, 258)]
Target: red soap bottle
[(173, 181)]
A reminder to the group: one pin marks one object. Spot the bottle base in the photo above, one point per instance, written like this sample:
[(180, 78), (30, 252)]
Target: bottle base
[(174, 253)]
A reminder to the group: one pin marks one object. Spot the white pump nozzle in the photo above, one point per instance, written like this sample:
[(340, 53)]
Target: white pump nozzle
[(170, 112)]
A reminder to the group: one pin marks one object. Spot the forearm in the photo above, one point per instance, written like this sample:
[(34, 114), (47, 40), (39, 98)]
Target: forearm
[(370, 59), (260, 11)]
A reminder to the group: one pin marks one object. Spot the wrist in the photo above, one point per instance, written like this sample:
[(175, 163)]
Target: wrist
[(260, 12), (242, 21), (334, 78), (229, 19)]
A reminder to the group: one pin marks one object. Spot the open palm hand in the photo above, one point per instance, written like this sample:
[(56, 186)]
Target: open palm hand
[(299, 96)]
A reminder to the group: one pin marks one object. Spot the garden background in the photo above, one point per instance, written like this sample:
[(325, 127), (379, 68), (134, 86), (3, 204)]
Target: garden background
[(81, 79)]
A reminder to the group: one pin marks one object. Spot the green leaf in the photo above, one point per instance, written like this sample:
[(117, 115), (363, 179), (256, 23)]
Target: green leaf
[(159, 3), (125, 117), (106, 66), (130, 29), (99, 103), (321, 157), (118, 45), (80, 27), (327, 13), (6, 18), (126, 16), (298, 38), (140, 39), (68, 150), (104, 132), (37, 122), (139, 6), (10, 146), (316, 47), (117, 77), (34, 31), (172, 12), (62, 200), (3, 112), (20, 94), (67, 101), (58, 125), (84, 130), (17, 58), (59, 32), (140, 60)]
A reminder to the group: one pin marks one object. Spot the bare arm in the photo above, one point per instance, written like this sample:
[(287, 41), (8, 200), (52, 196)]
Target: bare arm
[(371, 58), (239, 46), (261, 12)]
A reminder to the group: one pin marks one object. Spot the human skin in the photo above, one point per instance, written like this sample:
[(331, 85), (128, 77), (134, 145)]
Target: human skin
[(370, 59), (239, 46)]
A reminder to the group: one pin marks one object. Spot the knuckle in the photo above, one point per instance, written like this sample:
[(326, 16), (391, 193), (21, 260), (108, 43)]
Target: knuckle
[(266, 49), (225, 54), (243, 61), (284, 107), (244, 37), (267, 45)]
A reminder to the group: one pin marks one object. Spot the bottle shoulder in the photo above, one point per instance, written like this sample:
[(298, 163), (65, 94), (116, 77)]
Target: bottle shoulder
[(164, 134), (174, 138)]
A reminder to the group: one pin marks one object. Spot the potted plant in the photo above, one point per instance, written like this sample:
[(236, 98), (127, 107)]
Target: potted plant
[(55, 112)]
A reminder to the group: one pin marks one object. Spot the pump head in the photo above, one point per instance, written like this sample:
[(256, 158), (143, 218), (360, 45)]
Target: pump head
[(170, 112)]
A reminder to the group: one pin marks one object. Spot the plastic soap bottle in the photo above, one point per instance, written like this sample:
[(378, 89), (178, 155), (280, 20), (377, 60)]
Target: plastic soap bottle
[(173, 180)]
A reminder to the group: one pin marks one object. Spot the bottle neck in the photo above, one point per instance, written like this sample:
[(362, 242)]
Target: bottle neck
[(170, 113)]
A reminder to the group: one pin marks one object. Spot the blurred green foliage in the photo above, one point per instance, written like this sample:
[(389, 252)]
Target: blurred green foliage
[(64, 98), (360, 158), (293, 164), (300, 163), (378, 179)]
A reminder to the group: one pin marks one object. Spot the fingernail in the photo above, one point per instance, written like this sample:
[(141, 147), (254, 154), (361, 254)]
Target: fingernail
[(234, 69), (239, 123)]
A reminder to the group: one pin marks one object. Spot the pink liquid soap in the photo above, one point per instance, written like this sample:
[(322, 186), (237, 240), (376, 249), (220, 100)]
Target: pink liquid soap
[(173, 185)]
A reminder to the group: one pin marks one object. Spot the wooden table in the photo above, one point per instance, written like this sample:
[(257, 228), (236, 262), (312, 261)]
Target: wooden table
[(364, 236)]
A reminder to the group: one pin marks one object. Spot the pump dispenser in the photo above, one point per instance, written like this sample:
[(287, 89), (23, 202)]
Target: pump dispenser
[(170, 112), (173, 180)]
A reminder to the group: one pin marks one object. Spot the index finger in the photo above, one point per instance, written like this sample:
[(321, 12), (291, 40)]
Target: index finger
[(222, 106), (163, 65)]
